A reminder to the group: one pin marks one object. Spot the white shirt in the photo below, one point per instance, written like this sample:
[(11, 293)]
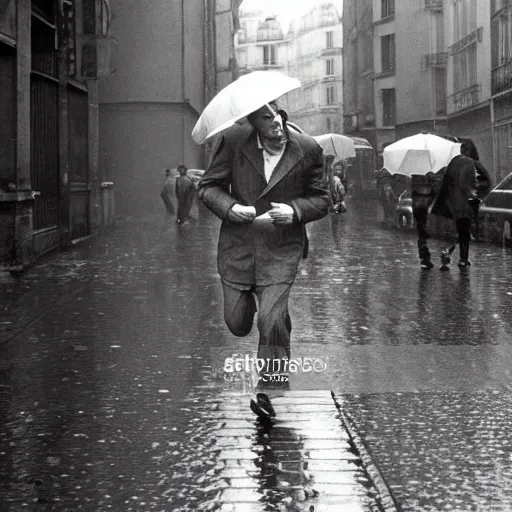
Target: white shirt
[(270, 161)]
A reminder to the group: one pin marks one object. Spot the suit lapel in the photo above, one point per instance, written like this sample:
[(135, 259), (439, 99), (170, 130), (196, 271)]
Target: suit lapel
[(251, 151), (291, 157)]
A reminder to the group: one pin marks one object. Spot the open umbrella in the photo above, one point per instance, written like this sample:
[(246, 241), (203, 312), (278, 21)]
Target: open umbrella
[(237, 100), (419, 154), (339, 146)]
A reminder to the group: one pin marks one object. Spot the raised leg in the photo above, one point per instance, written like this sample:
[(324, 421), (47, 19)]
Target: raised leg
[(239, 308)]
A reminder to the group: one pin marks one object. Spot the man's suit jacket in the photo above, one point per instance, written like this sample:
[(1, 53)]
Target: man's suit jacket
[(262, 253)]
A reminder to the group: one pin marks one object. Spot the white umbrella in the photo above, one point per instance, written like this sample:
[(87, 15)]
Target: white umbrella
[(419, 154), (243, 96), (337, 145)]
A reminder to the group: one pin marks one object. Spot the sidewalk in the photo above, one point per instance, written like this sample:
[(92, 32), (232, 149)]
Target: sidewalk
[(307, 460)]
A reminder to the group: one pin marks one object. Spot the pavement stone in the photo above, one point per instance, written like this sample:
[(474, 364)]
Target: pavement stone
[(304, 462)]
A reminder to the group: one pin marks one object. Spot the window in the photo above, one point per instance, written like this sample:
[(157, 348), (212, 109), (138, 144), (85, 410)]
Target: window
[(329, 125), (329, 43), (440, 90), (329, 67), (387, 8), (497, 5), (464, 68), (7, 115), (388, 107), (270, 55), (504, 150), (330, 95), (388, 53), (438, 31), (501, 38), (464, 18)]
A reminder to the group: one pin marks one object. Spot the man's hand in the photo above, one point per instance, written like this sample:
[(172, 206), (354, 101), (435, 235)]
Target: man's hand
[(242, 214), (281, 213)]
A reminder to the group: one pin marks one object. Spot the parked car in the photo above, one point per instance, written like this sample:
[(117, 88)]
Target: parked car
[(495, 213), (404, 217)]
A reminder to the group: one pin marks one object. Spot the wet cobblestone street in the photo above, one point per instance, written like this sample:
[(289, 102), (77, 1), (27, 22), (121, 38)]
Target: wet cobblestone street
[(111, 356)]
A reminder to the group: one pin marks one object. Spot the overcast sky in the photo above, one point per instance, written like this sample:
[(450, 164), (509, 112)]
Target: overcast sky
[(286, 10)]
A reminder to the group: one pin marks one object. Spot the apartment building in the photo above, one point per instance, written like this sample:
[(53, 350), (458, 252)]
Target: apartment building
[(438, 66), (315, 57), (52, 189), (468, 86), (358, 70), (311, 51), (501, 85), (173, 57), (260, 43)]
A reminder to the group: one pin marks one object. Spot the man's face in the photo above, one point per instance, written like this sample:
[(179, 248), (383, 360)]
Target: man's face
[(268, 124)]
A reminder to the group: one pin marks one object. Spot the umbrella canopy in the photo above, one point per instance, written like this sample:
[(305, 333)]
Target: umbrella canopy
[(243, 96), (339, 146), (419, 154)]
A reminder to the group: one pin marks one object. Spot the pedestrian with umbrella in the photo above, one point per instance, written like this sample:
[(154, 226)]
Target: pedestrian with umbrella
[(185, 192), (265, 183), (166, 193)]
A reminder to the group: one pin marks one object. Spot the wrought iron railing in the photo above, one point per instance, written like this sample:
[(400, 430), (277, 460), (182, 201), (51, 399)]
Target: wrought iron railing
[(464, 99), (433, 4), (502, 78), (471, 38), (436, 60)]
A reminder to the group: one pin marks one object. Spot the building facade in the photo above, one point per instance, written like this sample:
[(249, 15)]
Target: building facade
[(438, 66), (468, 106), (173, 57), (358, 84), (501, 85), (315, 57), (260, 43), (52, 190), (311, 51)]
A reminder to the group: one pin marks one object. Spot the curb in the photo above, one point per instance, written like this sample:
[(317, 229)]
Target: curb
[(386, 499)]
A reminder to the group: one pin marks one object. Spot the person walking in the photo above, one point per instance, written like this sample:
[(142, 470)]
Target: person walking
[(265, 183), (167, 193), (338, 195), (185, 192)]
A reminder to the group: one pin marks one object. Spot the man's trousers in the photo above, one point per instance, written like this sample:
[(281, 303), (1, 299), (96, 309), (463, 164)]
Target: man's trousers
[(274, 323)]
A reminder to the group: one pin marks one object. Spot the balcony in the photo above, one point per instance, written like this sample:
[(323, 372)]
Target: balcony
[(464, 99), (434, 4), (436, 60), (471, 38), (502, 78), (335, 50)]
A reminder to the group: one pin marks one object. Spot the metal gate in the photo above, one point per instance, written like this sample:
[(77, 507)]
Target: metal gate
[(78, 155), (44, 126)]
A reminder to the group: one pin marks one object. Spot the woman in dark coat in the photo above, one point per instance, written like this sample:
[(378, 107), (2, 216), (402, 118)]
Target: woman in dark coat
[(466, 181)]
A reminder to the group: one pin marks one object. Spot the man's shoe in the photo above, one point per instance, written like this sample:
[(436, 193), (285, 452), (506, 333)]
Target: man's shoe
[(262, 406)]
